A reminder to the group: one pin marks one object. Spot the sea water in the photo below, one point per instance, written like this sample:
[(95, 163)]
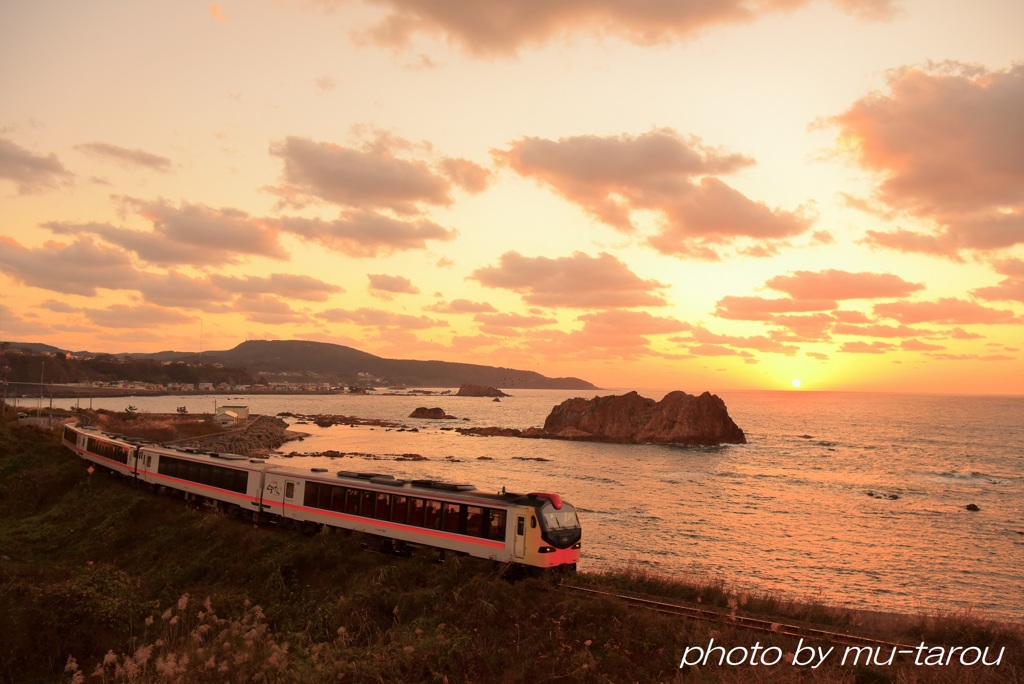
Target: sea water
[(853, 499)]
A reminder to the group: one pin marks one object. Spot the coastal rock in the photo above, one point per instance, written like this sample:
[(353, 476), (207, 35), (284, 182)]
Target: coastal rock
[(435, 413), (972, 507), (479, 391), (490, 431), (679, 418), (261, 435)]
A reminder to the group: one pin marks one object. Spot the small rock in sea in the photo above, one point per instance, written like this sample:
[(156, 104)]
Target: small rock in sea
[(488, 458), (972, 507), (806, 437)]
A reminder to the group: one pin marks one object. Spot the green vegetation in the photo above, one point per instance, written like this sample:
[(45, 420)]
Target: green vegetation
[(104, 581), (23, 367)]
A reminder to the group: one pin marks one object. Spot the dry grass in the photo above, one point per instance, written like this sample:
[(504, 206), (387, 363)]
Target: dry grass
[(155, 427)]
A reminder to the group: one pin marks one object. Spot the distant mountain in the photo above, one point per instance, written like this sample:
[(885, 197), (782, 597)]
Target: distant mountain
[(345, 364)]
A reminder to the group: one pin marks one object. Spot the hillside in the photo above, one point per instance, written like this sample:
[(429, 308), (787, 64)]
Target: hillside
[(345, 363), (294, 360)]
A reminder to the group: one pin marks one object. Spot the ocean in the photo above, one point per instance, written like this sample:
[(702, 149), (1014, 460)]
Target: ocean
[(853, 499)]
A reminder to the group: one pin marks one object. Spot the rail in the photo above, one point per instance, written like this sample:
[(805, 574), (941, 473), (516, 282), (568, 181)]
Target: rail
[(755, 624)]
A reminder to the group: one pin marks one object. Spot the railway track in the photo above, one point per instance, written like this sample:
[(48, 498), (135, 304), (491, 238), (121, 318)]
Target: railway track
[(754, 624)]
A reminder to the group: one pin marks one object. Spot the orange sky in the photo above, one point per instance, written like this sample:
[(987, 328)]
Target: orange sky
[(717, 195)]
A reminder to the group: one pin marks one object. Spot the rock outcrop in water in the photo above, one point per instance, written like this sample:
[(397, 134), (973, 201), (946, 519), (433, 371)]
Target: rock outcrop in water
[(679, 418), (435, 413), (479, 391)]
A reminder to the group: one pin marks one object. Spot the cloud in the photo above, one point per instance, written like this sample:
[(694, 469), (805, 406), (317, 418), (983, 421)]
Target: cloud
[(759, 343), (368, 178), (718, 350), (462, 306), (174, 289), (510, 324), (378, 318), (870, 9), (947, 310), (267, 309), (859, 347), (140, 316), (841, 285), (1010, 288), (875, 330), (578, 281), (79, 268), (324, 84), (945, 143), (660, 171), (366, 234), (502, 27), (58, 306), (631, 323), (126, 156), (190, 234), (917, 345), (468, 175), (286, 285), (714, 213), (393, 284), (762, 309), (972, 357), (31, 173)]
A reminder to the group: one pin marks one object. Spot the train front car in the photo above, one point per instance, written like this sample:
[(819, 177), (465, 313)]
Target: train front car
[(547, 532)]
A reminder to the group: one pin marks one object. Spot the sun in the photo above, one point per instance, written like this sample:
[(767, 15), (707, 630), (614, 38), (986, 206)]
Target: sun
[(796, 383)]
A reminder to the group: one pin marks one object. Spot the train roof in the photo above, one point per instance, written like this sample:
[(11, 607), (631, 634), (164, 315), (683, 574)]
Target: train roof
[(380, 481)]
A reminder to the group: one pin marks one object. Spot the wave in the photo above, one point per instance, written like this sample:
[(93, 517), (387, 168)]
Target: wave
[(965, 475)]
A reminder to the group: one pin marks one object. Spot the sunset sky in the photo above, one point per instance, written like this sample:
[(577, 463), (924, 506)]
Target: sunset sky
[(681, 194)]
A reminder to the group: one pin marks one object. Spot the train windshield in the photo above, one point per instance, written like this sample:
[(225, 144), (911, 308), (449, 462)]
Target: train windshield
[(563, 518)]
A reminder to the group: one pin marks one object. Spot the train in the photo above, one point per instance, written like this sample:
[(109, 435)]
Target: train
[(538, 532)]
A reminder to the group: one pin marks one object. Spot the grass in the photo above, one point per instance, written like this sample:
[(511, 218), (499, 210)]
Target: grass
[(102, 581)]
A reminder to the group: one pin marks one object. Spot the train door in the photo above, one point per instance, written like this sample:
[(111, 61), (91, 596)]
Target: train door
[(290, 493), (519, 547), (144, 466)]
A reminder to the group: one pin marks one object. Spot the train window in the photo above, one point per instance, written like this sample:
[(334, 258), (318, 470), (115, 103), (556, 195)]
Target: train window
[(416, 512), (383, 510), (495, 524), (533, 521), (337, 498), (149, 460), (366, 508), (520, 526), (217, 477), (399, 508), (289, 490), (323, 499), (309, 497), (452, 517), (432, 515), (352, 502), (475, 521)]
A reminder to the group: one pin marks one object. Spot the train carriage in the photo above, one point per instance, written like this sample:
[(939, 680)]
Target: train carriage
[(228, 479), (113, 452), (536, 529)]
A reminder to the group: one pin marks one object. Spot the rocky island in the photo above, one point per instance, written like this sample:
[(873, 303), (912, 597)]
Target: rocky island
[(679, 418)]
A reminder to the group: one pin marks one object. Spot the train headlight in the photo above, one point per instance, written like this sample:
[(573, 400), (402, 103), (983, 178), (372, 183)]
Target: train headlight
[(546, 549)]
